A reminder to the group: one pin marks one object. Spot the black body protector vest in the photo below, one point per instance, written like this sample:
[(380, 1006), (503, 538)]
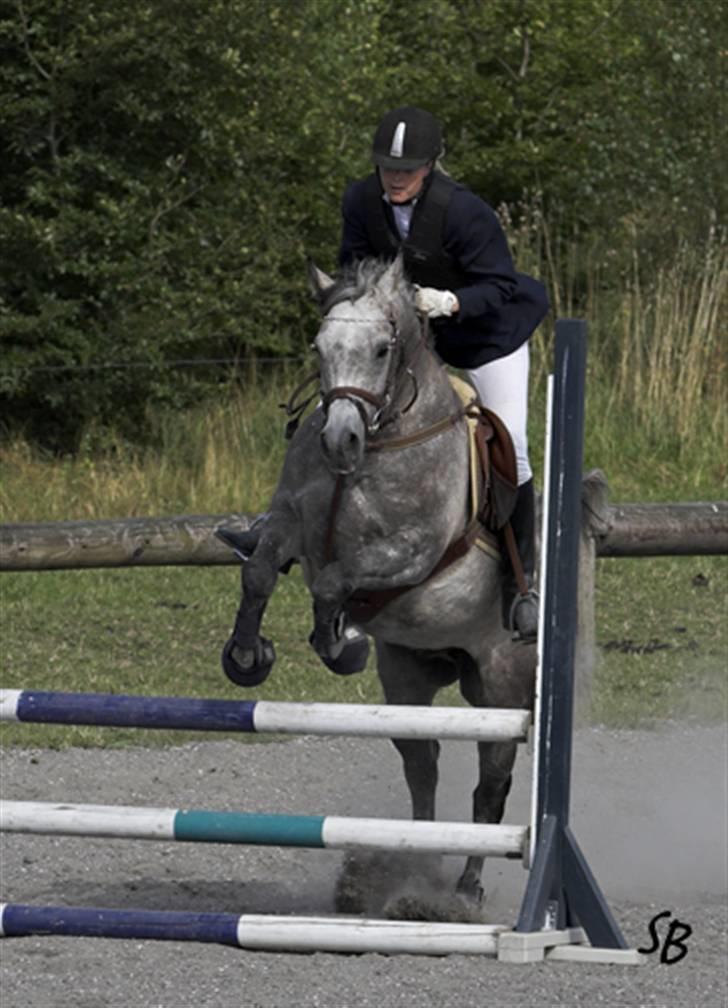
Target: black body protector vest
[(425, 259)]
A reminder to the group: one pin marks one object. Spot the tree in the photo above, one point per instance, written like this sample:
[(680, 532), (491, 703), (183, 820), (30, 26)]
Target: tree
[(160, 192), (166, 169)]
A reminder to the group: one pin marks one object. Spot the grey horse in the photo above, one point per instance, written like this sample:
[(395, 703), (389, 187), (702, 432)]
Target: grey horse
[(374, 502)]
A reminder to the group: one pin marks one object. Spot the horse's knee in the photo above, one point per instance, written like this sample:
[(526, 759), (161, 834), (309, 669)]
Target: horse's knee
[(258, 580), (330, 588)]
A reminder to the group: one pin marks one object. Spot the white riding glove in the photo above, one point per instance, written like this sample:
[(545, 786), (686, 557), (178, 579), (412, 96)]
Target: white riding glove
[(434, 303)]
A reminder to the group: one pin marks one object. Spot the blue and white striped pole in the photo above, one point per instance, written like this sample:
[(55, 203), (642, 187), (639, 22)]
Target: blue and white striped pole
[(254, 931), (373, 720)]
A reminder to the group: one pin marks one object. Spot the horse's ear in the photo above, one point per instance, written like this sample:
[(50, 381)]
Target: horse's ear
[(319, 281), (393, 277)]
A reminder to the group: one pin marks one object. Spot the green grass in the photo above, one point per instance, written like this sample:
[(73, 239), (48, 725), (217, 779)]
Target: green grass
[(662, 636), (661, 630), (156, 631)]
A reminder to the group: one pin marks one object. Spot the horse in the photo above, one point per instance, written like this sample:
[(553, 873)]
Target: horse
[(374, 502)]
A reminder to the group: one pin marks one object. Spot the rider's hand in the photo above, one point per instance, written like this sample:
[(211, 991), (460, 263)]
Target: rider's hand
[(435, 303)]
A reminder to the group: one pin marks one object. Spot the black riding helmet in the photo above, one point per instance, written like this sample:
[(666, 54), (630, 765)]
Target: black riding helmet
[(407, 138)]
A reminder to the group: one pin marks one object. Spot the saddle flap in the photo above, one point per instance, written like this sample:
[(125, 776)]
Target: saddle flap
[(495, 487), (503, 477)]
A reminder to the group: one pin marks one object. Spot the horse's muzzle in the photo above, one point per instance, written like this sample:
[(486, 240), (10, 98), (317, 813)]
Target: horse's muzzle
[(343, 438)]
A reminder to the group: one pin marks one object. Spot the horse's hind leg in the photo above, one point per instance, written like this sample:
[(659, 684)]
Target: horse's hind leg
[(503, 679), (248, 657), (495, 761)]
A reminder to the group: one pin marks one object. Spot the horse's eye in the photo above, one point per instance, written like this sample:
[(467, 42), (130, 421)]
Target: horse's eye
[(382, 351)]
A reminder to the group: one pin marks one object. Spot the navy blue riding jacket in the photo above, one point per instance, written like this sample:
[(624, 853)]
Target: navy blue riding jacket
[(455, 242)]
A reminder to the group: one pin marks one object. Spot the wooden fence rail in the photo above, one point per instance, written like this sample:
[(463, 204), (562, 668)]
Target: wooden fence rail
[(123, 542), (619, 530)]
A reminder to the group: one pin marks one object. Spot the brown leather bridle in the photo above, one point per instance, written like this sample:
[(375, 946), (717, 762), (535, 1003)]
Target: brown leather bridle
[(394, 382)]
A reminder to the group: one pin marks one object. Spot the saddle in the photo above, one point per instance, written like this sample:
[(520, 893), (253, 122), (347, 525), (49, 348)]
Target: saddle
[(493, 472), (492, 492)]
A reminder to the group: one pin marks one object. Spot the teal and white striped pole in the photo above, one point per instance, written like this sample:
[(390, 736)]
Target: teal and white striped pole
[(199, 826)]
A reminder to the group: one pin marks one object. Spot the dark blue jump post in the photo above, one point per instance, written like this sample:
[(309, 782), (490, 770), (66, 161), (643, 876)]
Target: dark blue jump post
[(562, 891)]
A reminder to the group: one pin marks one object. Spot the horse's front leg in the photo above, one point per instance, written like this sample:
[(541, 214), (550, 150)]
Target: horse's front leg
[(247, 657), (403, 558), (343, 648), (411, 677)]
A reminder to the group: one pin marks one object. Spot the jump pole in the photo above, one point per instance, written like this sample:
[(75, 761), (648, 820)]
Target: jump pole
[(368, 720), (254, 931), (561, 891), (263, 829)]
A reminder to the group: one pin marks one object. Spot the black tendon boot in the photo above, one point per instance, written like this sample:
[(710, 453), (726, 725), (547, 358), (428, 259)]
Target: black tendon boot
[(520, 610)]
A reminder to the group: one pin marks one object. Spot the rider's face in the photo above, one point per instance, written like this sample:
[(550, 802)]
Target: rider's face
[(402, 186)]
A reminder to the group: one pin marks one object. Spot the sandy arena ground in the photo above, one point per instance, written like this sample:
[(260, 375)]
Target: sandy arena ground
[(649, 811)]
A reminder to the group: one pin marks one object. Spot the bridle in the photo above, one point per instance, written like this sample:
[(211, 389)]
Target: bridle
[(386, 412), (299, 401), (399, 373)]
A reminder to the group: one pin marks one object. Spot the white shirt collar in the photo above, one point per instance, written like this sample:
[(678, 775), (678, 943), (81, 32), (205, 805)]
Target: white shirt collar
[(402, 214)]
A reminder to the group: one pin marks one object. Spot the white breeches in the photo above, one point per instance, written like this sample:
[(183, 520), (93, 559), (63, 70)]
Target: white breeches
[(503, 387)]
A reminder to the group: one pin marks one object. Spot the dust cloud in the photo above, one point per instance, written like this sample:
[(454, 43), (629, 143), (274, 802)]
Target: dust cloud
[(648, 808)]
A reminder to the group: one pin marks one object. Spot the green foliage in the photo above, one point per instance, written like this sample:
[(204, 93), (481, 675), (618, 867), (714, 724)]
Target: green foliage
[(157, 200), (167, 168)]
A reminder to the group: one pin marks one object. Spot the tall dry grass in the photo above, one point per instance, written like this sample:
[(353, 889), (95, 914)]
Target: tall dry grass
[(658, 335), (672, 364), (222, 456)]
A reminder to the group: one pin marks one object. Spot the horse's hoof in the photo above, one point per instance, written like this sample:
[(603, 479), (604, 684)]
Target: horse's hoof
[(353, 656), (248, 668), (471, 890)]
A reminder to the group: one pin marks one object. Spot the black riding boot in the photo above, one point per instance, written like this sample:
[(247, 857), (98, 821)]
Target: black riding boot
[(520, 611)]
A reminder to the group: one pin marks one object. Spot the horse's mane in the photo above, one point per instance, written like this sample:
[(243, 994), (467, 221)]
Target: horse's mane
[(355, 279)]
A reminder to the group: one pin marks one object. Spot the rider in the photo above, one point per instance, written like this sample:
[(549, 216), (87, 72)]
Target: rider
[(483, 311)]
